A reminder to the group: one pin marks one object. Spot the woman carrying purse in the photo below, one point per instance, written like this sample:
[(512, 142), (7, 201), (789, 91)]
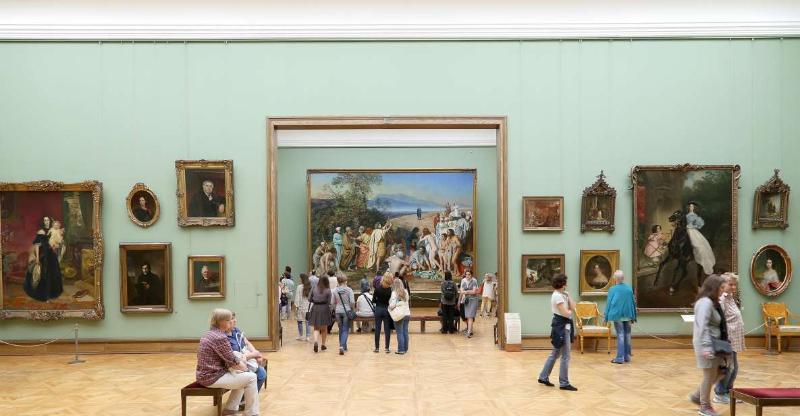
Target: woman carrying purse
[(401, 314), (710, 341)]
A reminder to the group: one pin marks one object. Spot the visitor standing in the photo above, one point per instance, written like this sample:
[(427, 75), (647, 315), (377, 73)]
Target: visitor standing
[(469, 289), (448, 302), (301, 304), (735, 326), (621, 309), (708, 339), (562, 334), (488, 294), (343, 301), (398, 305), (383, 293), (321, 313)]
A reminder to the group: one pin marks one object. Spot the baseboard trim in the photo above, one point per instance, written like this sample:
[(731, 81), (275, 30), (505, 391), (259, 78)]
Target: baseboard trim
[(108, 346)]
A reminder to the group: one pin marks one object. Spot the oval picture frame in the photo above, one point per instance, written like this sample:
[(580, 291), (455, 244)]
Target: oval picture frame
[(777, 281), (149, 214)]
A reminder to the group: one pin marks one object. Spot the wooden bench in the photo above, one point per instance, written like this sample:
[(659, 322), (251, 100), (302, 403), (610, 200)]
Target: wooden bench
[(765, 397), (197, 389), (414, 318)]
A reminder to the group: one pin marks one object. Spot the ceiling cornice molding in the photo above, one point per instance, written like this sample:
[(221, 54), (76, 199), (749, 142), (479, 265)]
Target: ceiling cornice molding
[(431, 31)]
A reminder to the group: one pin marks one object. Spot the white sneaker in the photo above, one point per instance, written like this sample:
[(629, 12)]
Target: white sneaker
[(721, 398)]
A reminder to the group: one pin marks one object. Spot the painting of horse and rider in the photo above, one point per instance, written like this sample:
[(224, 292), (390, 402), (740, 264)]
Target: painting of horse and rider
[(685, 229)]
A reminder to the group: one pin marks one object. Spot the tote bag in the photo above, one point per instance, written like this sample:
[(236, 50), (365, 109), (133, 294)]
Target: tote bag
[(400, 311)]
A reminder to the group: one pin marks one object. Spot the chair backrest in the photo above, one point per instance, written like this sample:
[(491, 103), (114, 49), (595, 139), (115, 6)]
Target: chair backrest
[(774, 310), (587, 310)]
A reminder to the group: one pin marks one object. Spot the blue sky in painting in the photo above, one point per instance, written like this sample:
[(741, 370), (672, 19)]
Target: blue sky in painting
[(436, 187)]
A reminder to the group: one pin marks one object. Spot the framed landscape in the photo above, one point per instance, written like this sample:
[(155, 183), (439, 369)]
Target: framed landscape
[(52, 250), (684, 228), (538, 271), (418, 222), (543, 213)]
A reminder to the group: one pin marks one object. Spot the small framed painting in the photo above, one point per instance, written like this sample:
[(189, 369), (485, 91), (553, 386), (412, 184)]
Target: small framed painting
[(543, 213), (206, 277), (145, 271), (143, 206), (538, 271), (771, 205), (597, 206), (771, 270), (597, 269), (205, 192)]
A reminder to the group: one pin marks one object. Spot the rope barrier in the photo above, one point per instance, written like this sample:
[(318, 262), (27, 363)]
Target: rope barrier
[(684, 344), (34, 345)]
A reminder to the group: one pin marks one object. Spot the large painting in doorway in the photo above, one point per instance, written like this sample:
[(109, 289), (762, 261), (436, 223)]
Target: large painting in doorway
[(52, 250), (420, 223), (685, 228)]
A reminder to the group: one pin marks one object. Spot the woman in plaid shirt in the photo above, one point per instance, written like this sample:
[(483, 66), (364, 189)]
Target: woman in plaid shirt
[(215, 358), (733, 319)]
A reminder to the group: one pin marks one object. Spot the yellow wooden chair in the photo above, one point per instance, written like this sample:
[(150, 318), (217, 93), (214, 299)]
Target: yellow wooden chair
[(776, 317), (589, 324)]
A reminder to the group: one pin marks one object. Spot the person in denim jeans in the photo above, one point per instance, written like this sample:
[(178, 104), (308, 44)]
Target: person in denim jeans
[(399, 295), (735, 326), (561, 335), (343, 300), (621, 309), (383, 293)]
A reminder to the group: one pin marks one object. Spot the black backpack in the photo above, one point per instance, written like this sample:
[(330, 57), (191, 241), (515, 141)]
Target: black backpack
[(449, 291)]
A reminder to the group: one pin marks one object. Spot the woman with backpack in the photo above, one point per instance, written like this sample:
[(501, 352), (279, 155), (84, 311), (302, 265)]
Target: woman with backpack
[(448, 304)]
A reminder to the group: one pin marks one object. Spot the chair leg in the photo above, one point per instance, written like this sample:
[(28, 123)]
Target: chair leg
[(608, 343), (183, 404), (779, 343), (581, 344), (218, 400)]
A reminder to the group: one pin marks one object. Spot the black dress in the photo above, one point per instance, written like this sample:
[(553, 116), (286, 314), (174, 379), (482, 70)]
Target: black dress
[(50, 284), (321, 309)]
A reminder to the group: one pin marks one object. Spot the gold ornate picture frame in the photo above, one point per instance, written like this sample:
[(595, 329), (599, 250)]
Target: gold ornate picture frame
[(597, 271), (205, 193), (771, 270), (598, 205), (771, 204), (145, 272), (543, 213), (51, 247), (206, 277), (538, 271), (142, 206)]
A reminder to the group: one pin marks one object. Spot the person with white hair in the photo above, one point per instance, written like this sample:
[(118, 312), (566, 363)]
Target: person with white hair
[(621, 309), (735, 326)]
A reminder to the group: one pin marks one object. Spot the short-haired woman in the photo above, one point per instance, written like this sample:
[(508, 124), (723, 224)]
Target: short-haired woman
[(400, 295), (562, 334), (381, 298), (709, 326), (321, 312), (621, 309), (343, 301), (469, 293), (735, 326), (215, 357)]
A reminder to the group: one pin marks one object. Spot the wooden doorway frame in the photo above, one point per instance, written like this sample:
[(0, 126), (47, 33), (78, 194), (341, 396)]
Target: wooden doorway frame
[(274, 124)]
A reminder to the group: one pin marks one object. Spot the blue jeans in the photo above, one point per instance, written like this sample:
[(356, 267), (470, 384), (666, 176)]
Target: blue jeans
[(563, 369), (725, 385), (261, 377), (300, 328), (623, 329), (344, 329), (382, 316), (402, 333)]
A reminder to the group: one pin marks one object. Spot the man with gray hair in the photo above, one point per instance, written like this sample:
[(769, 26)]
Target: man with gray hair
[(621, 309)]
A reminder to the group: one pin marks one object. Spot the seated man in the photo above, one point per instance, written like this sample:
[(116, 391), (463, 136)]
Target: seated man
[(240, 344), (365, 309)]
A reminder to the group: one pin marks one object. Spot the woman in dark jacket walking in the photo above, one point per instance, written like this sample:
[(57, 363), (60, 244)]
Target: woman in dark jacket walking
[(561, 335)]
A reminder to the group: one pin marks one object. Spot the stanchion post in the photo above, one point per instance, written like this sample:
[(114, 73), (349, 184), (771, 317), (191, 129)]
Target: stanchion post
[(76, 360)]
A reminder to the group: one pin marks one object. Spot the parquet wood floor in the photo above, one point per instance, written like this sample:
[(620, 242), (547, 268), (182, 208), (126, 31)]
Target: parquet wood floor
[(441, 375)]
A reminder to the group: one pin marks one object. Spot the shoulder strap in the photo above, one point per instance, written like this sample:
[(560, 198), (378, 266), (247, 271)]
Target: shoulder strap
[(343, 302)]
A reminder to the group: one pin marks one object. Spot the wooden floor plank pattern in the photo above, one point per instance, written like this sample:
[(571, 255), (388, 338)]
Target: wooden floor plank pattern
[(441, 375)]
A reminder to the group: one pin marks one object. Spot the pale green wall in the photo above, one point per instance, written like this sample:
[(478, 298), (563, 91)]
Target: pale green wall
[(292, 211), (122, 113)]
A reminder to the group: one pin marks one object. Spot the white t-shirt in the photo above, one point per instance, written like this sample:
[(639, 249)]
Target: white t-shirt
[(362, 306), (488, 289), (557, 298)]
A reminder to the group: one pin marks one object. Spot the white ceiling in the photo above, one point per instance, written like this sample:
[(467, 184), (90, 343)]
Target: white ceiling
[(395, 19)]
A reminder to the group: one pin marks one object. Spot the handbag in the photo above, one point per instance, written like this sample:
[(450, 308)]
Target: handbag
[(400, 311), (350, 313), (308, 312), (721, 346)]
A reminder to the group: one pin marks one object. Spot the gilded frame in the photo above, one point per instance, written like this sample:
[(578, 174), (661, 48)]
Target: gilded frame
[(526, 277), (129, 204), (193, 292), (586, 288), (166, 277), (787, 265), (528, 221), (309, 172), (592, 217), (97, 311), (735, 172), (275, 124), (764, 194), (184, 220)]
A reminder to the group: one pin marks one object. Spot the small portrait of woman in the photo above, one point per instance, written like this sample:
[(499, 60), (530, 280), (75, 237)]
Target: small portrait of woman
[(771, 270), (597, 272)]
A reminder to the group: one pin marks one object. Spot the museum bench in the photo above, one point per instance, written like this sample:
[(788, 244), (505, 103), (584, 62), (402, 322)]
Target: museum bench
[(765, 397), (414, 318), (197, 389)]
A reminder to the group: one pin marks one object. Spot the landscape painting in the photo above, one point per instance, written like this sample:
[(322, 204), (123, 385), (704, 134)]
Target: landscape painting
[(684, 230), (419, 223)]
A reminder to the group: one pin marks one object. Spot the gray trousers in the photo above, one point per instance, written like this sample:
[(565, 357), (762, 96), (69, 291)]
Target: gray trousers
[(563, 369)]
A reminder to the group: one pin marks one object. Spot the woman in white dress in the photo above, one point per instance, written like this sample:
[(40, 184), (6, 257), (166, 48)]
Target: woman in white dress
[(769, 279), (703, 255)]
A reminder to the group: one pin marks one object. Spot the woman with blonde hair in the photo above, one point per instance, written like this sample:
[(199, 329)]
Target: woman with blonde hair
[(398, 304), (735, 326), (214, 359), (302, 293), (381, 298)]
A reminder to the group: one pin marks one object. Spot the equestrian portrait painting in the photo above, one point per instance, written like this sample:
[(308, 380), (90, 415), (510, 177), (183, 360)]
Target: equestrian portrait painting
[(419, 223), (684, 229)]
